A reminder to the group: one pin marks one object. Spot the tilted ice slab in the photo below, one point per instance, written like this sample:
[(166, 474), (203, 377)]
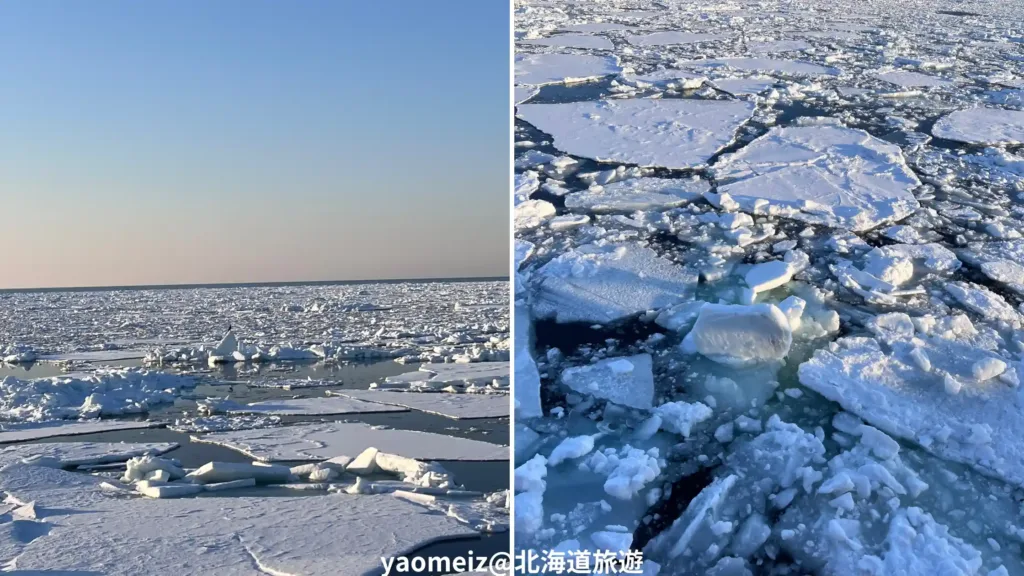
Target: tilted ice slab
[(909, 79), (82, 453), (313, 407), (982, 126), (669, 38), (927, 392), (638, 194), (458, 406), (524, 93), (92, 533), (541, 69), (24, 433), (325, 441), (788, 67), (603, 284), (573, 41), (527, 377), (670, 133), (828, 175), (628, 381)]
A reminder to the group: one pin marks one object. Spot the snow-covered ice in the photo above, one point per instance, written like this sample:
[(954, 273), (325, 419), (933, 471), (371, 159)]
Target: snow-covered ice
[(554, 68), (607, 284), (458, 406), (982, 126), (330, 440), (826, 175), (674, 133), (831, 324)]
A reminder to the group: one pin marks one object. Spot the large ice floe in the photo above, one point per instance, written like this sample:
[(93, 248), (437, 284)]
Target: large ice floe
[(829, 175), (330, 440), (787, 340), (669, 133)]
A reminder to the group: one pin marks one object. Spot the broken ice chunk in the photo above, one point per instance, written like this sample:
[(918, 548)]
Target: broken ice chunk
[(740, 335), (608, 379), (681, 417), (601, 285)]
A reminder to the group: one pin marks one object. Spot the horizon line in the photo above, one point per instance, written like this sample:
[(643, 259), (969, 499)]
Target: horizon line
[(265, 284)]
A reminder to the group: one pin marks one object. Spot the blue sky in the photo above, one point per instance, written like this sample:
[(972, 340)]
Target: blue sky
[(191, 141)]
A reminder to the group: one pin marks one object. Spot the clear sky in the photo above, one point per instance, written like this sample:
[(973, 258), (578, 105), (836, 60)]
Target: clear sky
[(198, 141)]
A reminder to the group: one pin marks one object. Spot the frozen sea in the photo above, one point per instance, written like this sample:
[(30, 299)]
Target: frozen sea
[(253, 427), (769, 290)]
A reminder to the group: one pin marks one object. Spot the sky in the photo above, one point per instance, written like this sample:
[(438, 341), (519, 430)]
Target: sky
[(190, 141)]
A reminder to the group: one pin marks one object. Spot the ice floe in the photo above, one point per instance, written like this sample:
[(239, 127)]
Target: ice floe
[(607, 284), (553, 68), (667, 133), (637, 194), (982, 126), (458, 406), (331, 440), (827, 175)]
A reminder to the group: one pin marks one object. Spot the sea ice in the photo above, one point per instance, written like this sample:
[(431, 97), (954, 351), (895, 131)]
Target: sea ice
[(527, 377), (105, 393), (94, 533), (541, 69), (458, 406), (908, 79), (670, 133), (638, 194), (669, 38), (585, 41), (766, 65), (325, 441), (891, 390), (827, 175), (69, 454), (986, 126), (626, 380), (740, 335), (28, 432), (313, 407), (438, 376), (592, 284)]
